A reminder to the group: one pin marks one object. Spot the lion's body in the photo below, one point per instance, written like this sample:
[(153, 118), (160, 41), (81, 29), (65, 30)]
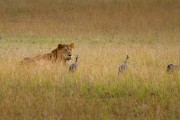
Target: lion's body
[(46, 57), (62, 54)]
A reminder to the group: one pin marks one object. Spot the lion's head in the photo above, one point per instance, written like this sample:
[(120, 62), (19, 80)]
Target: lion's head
[(63, 52)]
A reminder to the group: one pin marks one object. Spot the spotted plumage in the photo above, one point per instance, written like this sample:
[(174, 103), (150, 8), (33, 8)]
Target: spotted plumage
[(172, 68), (123, 66), (73, 66)]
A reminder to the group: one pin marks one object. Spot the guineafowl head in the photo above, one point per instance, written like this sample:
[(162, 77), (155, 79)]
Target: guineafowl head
[(127, 57)]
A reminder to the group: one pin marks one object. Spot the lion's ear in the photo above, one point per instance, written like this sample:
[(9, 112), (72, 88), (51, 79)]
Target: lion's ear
[(71, 45), (60, 46)]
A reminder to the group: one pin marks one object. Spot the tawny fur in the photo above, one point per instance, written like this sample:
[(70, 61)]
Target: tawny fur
[(62, 53)]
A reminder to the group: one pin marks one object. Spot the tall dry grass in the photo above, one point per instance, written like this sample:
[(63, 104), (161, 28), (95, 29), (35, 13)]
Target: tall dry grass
[(95, 91), (104, 32)]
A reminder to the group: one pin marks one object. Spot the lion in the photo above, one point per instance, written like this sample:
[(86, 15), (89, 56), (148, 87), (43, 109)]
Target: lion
[(63, 53)]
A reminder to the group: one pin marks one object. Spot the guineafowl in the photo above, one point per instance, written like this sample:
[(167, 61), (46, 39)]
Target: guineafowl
[(172, 67), (74, 65), (123, 66)]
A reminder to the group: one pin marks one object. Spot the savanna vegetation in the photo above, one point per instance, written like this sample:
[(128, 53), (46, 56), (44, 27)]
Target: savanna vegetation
[(104, 32)]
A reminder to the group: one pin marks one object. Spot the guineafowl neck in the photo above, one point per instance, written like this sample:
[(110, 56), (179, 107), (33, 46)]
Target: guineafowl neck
[(76, 60), (126, 61)]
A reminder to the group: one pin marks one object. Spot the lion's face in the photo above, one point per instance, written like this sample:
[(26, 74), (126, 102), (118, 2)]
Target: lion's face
[(65, 51)]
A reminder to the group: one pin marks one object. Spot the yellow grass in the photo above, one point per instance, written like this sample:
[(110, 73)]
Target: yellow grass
[(104, 32)]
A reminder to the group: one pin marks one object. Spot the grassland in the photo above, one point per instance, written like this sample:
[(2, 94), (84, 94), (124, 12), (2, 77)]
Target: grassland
[(104, 32)]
